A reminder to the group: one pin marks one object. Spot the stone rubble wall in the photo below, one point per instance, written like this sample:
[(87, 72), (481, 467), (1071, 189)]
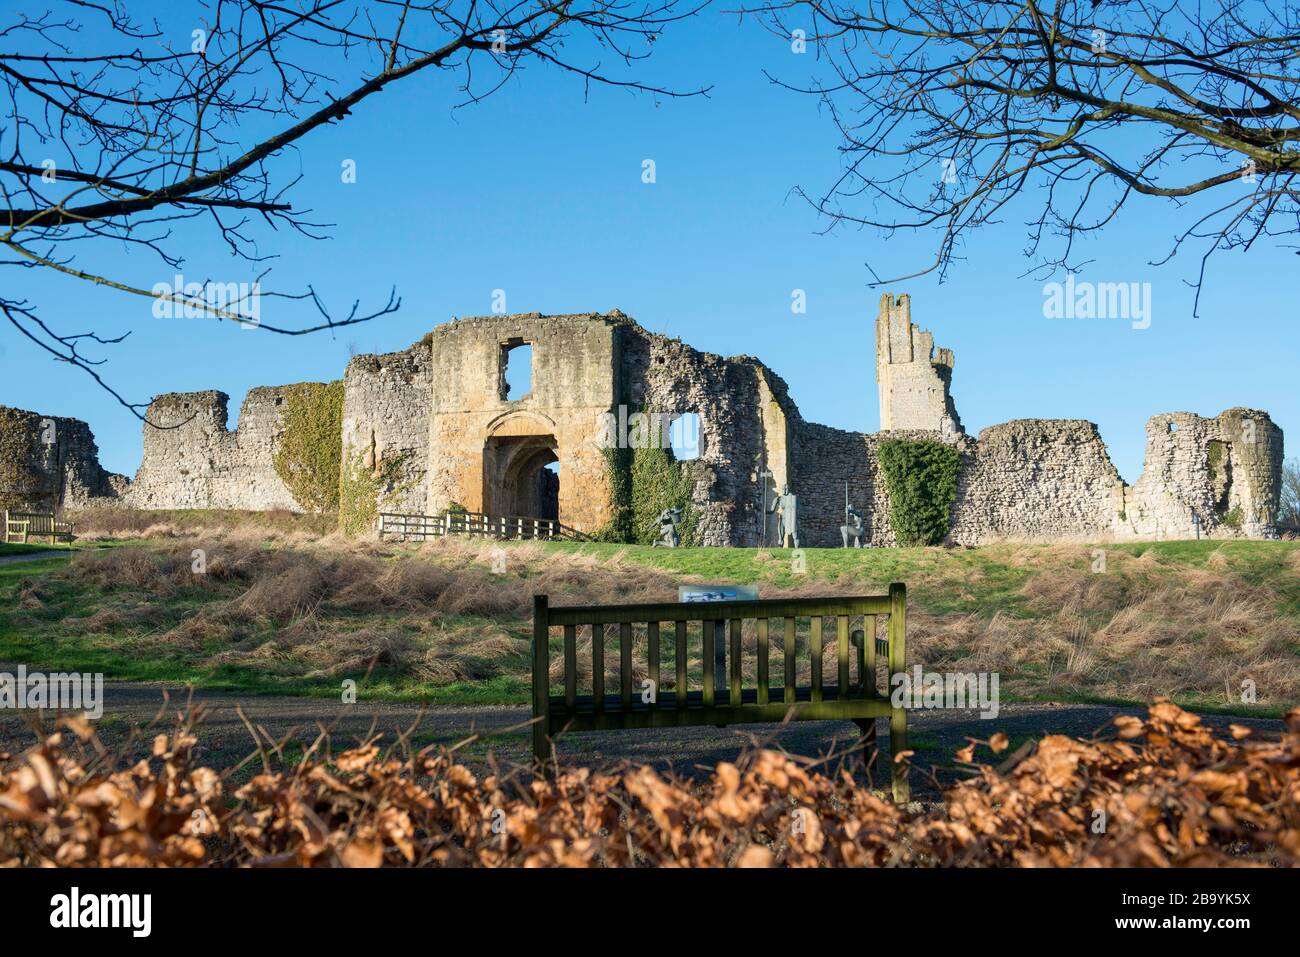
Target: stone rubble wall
[(52, 462), (1036, 480), (192, 460), (1226, 471), (386, 424)]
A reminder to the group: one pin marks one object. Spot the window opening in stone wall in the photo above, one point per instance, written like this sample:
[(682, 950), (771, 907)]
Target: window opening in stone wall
[(684, 435), (516, 369)]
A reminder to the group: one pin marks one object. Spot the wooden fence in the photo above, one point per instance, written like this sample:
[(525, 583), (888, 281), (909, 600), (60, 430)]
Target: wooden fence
[(412, 527)]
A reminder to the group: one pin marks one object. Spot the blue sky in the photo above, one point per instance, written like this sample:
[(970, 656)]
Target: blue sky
[(538, 192)]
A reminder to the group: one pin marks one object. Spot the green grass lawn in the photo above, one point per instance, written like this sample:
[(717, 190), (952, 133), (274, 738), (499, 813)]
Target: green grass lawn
[(29, 548)]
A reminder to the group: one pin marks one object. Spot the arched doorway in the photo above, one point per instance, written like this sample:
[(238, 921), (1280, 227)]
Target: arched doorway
[(520, 469)]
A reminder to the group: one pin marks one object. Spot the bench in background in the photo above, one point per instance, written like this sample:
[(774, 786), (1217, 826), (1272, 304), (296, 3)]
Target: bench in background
[(20, 526)]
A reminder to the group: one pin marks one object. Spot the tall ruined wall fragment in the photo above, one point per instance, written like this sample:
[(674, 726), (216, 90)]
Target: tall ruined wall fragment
[(913, 380), (740, 406), (386, 405), (49, 462), (194, 461)]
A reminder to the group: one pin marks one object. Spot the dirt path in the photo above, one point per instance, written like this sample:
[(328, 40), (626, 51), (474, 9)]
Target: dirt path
[(225, 740)]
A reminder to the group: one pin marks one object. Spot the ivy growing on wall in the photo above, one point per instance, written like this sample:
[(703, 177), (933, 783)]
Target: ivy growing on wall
[(659, 481), (921, 478), (618, 465), (362, 490), (23, 482), (644, 482), (308, 457)]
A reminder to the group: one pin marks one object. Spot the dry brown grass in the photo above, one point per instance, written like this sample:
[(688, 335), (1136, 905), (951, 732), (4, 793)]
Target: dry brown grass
[(323, 606), (1124, 634)]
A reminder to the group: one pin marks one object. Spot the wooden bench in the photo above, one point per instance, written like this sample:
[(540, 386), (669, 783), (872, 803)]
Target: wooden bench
[(20, 526), (714, 698)]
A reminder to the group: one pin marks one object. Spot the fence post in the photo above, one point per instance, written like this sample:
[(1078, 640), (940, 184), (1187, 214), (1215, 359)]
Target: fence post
[(541, 676), (898, 665)]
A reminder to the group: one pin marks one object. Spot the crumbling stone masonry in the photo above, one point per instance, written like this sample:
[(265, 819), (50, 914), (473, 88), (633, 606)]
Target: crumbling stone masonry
[(49, 462), (913, 379), (386, 408), (435, 425), (192, 460)]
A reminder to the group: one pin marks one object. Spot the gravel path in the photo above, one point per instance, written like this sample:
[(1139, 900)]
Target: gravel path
[(225, 740), (33, 556)]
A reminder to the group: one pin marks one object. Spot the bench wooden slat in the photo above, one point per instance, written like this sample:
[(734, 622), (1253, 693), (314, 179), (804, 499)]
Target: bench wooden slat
[(773, 712), (869, 648), (710, 635), (737, 674), (652, 654), (598, 663), (842, 632), (541, 677), (762, 660), (815, 638), (681, 664), (788, 651), (689, 611), (897, 665), (570, 665), (858, 641), (625, 662)]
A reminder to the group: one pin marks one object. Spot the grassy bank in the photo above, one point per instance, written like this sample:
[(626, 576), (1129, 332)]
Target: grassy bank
[(294, 611)]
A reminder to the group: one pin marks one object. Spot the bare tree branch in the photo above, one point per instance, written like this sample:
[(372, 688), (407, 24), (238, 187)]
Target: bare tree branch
[(113, 129), (950, 111)]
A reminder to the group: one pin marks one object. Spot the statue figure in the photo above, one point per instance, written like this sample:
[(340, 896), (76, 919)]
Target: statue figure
[(853, 530), (668, 537), (786, 506)]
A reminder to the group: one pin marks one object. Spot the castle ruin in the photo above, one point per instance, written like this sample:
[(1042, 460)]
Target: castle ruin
[(435, 424)]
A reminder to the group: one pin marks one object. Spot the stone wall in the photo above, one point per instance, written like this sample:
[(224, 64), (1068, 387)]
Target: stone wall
[(48, 462), (386, 424), (742, 428), (1036, 480), (192, 460), (433, 425)]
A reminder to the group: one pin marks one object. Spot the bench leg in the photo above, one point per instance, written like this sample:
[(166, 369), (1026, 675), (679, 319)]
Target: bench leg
[(897, 745)]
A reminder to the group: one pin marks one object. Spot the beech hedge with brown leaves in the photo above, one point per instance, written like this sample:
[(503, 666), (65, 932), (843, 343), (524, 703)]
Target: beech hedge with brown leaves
[(1164, 791)]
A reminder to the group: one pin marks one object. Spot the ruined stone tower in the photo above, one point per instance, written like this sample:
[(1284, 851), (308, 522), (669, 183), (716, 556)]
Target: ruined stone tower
[(913, 380)]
